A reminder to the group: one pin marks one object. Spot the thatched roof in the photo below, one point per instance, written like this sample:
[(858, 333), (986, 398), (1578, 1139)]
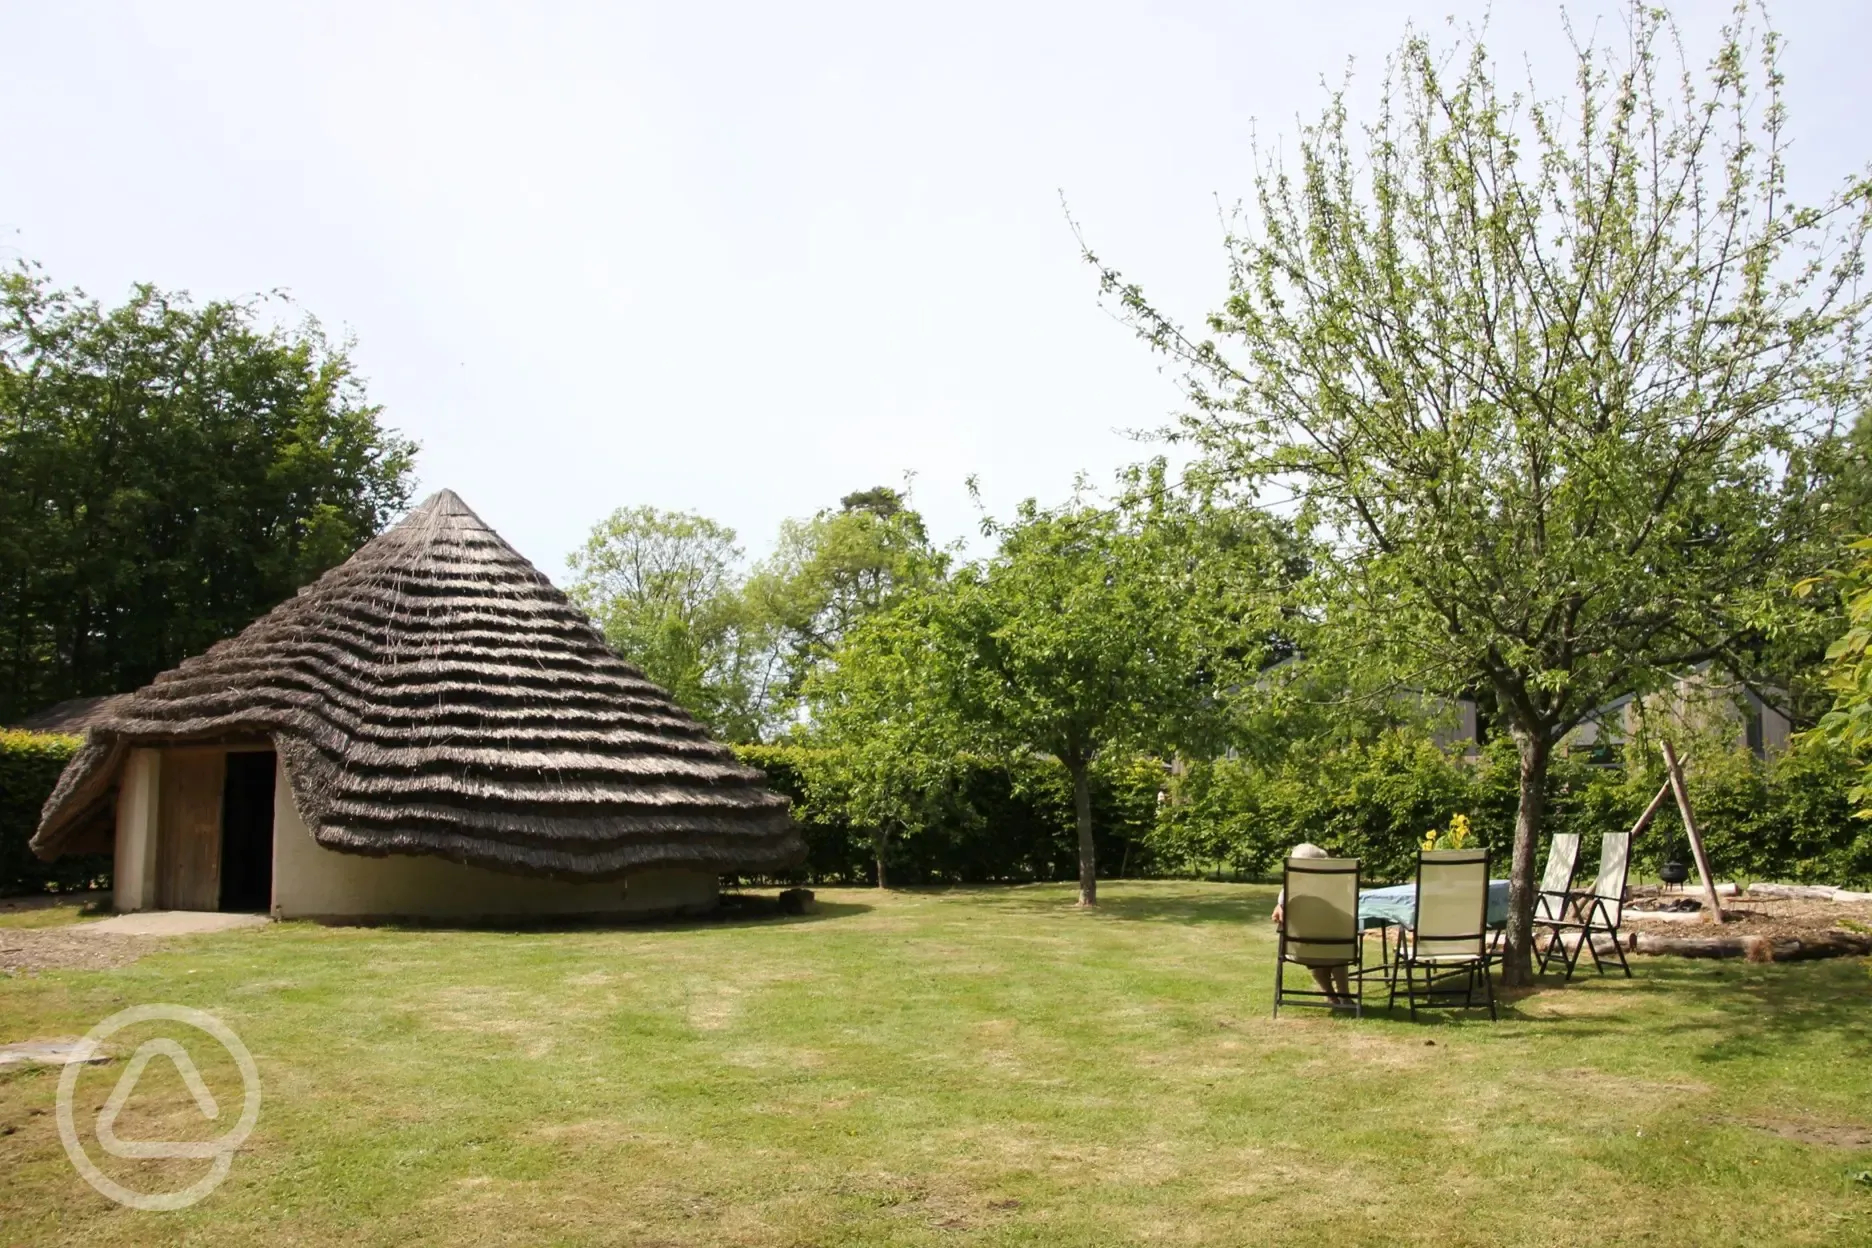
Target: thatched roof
[(436, 695), (72, 716)]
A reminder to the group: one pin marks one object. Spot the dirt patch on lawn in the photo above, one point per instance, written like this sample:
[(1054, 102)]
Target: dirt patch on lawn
[(29, 950), (1761, 916), (1807, 1131)]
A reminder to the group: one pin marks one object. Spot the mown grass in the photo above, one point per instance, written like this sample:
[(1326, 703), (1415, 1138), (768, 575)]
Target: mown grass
[(971, 1066), (56, 914)]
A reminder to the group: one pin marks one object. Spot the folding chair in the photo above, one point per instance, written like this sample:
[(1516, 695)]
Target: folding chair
[(1556, 885), (1448, 937), (1319, 929), (1597, 912)]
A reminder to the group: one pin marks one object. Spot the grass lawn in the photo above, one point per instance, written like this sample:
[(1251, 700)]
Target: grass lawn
[(969, 1066), (56, 914)]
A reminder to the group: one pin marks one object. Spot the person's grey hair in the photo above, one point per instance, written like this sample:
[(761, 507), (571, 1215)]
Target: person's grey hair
[(1307, 849)]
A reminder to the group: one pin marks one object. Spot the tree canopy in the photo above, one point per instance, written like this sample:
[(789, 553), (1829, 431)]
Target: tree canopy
[(736, 645), (1547, 377), (168, 472), (1090, 630), (829, 572), (666, 587)]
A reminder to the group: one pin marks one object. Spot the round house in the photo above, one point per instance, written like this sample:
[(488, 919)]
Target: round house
[(430, 729)]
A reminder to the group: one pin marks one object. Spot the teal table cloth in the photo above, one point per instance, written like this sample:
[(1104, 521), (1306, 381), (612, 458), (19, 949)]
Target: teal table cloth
[(1394, 906)]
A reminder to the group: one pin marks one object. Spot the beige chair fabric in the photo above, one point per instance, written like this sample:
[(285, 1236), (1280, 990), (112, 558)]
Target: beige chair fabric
[(1592, 913), (1452, 906), (1557, 879), (1321, 911), (1609, 885), (1448, 945)]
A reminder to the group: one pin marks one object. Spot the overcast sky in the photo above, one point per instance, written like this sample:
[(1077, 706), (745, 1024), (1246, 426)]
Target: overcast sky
[(733, 259)]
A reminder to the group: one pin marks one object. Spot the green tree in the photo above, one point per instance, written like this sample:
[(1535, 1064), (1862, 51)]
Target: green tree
[(666, 587), (1089, 632), (894, 739), (168, 471), (831, 571), (1542, 374)]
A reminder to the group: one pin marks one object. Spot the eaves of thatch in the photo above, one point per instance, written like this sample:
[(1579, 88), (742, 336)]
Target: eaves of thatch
[(437, 695)]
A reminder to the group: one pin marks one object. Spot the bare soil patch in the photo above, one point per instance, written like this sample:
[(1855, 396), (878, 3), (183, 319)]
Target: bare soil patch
[(1807, 1131), (31, 950), (1771, 917)]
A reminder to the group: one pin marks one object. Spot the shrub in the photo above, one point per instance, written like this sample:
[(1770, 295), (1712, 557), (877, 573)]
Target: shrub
[(993, 821), (835, 851), (1373, 801), (30, 763), (1787, 818)]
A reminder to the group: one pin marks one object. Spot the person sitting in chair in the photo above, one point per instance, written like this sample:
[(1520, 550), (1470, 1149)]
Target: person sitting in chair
[(1332, 980)]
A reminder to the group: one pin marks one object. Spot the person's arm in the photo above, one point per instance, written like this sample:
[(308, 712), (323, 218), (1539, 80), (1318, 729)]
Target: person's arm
[(1280, 907)]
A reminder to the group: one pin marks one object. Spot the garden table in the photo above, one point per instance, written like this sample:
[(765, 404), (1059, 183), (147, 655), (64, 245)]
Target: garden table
[(1396, 906)]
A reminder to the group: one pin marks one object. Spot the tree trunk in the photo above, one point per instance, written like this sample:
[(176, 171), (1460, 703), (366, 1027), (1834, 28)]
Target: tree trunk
[(1517, 959), (1082, 806), (880, 839)]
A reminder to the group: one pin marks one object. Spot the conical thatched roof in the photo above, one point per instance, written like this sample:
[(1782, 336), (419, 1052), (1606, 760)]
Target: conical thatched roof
[(436, 695)]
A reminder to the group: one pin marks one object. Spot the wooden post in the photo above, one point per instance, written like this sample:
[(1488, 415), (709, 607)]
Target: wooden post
[(1644, 820), (1713, 910)]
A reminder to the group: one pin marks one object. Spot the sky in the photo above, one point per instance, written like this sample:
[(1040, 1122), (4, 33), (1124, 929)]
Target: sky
[(734, 259)]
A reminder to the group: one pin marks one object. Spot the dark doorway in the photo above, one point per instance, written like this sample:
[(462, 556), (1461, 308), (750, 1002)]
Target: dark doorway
[(247, 831)]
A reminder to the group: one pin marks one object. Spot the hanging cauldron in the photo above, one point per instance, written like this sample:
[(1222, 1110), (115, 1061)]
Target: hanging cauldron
[(1673, 873)]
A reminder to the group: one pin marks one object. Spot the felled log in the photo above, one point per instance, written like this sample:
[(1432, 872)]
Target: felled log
[(1792, 892), (1832, 944)]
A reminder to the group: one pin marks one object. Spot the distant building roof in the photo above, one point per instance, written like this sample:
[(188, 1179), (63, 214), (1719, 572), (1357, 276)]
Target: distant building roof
[(73, 715)]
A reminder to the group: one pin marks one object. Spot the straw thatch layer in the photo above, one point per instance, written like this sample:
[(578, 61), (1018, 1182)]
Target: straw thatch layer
[(436, 695)]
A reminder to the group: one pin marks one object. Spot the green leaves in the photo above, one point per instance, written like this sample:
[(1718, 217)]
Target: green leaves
[(833, 570), (736, 647), (1089, 631), (666, 588), (1557, 380), (1561, 382), (168, 472), (1849, 673)]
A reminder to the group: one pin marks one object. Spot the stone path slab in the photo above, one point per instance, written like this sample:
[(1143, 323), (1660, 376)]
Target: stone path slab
[(54, 1052), (173, 923)]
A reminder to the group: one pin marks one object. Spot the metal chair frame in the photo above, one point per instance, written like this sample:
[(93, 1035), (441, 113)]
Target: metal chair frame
[(1593, 917), (1555, 900)]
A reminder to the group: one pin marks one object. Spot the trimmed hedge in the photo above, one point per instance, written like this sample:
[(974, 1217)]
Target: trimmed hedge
[(1785, 818), (995, 822), (30, 763)]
